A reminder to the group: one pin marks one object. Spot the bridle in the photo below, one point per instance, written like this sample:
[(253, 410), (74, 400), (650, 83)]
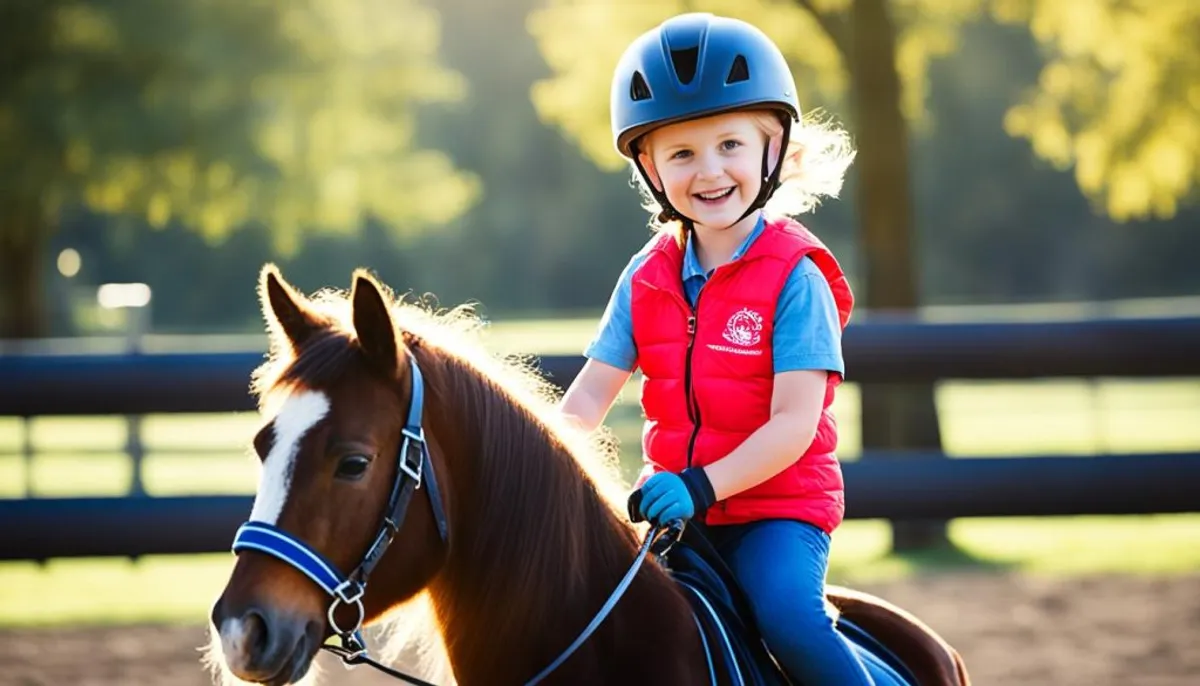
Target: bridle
[(413, 468)]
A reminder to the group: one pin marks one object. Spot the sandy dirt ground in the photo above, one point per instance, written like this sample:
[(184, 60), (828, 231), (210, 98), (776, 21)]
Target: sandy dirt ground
[(1010, 628)]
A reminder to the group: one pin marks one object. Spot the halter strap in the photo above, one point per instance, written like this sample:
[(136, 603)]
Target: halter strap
[(270, 539), (413, 468)]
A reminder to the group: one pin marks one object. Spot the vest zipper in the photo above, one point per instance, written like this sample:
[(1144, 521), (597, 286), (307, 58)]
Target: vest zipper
[(692, 405)]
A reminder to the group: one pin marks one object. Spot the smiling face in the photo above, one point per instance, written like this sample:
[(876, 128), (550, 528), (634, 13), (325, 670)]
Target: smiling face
[(710, 169)]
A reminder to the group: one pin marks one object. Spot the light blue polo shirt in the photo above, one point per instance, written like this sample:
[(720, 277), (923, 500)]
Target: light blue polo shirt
[(807, 333)]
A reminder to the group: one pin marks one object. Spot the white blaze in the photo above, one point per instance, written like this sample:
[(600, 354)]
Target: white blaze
[(298, 414)]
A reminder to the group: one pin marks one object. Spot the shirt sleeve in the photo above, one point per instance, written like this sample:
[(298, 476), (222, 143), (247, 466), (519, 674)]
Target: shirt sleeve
[(808, 334), (614, 344)]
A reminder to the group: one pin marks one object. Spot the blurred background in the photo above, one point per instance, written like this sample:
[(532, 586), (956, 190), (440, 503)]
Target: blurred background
[(1023, 208)]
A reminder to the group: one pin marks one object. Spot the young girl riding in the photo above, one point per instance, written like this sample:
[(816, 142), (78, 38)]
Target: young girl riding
[(734, 316)]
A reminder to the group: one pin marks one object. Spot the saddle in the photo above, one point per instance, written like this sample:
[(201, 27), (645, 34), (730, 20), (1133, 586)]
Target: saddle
[(736, 652)]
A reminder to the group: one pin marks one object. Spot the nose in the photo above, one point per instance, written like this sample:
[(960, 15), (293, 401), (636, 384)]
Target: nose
[(260, 646), (711, 165), (256, 636)]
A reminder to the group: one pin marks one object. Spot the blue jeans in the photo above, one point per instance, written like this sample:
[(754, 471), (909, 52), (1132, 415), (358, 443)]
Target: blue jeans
[(781, 565)]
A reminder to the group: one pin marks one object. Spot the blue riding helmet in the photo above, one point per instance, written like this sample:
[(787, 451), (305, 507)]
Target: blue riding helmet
[(695, 65)]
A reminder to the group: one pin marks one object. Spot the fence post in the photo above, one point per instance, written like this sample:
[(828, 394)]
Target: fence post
[(134, 300), (136, 451), (899, 418), (138, 320), (27, 454)]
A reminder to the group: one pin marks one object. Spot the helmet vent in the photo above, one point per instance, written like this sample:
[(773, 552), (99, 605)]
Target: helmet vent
[(638, 90), (684, 61), (739, 71)]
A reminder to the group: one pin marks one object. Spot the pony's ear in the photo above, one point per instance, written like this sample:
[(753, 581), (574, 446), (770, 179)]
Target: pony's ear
[(288, 316), (373, 323)]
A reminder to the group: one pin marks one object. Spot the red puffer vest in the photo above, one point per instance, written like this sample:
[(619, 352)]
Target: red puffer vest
[(709, 375)]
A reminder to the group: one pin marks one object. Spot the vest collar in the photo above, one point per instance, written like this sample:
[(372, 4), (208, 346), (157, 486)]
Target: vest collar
[(691, 262)]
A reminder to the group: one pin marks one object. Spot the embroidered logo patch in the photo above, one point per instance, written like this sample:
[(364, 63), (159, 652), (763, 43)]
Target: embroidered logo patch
[(744, 328)]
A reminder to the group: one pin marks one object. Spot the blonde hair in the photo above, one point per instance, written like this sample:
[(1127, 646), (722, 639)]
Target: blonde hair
[(818, 154)]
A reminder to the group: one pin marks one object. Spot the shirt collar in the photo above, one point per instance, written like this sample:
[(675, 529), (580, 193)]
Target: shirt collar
[(691, 263)]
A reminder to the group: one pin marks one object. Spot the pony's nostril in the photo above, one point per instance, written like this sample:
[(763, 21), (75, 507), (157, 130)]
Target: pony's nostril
[(255, 625)]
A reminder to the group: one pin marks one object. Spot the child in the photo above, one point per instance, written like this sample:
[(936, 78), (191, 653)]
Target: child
[(735, 320)]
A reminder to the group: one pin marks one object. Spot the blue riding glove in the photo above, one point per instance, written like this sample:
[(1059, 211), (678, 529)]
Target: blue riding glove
[(666, 496)]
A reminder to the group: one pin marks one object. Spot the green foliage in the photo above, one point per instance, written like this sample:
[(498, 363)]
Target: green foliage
[(216, 113), (1117, 97), (582, 40)]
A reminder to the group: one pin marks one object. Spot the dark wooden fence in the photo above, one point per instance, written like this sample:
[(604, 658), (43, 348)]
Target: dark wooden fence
[(903, 486)]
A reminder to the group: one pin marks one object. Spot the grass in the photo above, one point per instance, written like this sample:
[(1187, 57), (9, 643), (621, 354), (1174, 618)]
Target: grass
[(206, 454)]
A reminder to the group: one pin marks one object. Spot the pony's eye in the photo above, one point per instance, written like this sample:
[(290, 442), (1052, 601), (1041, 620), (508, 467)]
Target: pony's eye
[(352, 467)]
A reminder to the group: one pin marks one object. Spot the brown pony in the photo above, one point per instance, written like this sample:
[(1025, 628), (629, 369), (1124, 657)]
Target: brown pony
[(535, 540)]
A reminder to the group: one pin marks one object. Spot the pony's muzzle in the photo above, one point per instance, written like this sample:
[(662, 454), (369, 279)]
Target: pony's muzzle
[(264, 646)]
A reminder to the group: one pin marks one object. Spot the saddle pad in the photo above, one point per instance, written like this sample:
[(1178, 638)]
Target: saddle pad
[(737, 653)]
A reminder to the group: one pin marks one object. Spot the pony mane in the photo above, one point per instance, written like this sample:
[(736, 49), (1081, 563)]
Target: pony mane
[(510, 399), (457, 334)]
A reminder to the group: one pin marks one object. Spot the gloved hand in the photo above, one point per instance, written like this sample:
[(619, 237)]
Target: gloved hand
[(666, 496)]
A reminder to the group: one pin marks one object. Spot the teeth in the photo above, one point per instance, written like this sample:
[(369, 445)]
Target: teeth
[(714, 195)]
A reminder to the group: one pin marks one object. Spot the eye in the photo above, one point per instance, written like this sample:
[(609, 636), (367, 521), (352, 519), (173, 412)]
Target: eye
[(730, 144), (681, 154), (352, 467)]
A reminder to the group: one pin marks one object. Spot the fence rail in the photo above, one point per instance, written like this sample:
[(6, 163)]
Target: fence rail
[(878, 351), (903, 486), (918, 486)]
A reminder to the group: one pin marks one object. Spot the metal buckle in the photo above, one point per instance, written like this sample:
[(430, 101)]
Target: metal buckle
[(340, 591), (413, 447)]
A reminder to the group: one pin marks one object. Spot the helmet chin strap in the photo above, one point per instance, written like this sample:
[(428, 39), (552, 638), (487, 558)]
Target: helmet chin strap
[(770, 183), (770, 177), (668, 213)]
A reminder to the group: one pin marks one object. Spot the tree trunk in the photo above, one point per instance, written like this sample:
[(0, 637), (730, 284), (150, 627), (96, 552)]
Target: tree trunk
[(894, 416), (22, 298)]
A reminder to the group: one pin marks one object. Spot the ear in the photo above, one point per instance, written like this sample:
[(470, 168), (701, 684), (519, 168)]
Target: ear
[(288, 316), (373, 323), (774, 143), (647, 163)]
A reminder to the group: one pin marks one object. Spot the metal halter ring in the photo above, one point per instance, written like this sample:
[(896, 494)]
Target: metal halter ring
[(341, 598)]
